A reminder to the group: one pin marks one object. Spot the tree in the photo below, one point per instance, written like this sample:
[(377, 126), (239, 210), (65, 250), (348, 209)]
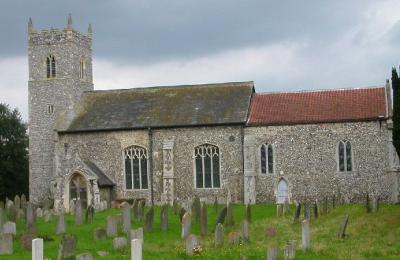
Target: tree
[(14, 170)]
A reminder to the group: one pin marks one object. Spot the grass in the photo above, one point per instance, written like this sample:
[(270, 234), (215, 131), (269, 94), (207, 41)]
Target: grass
[(370, 236)]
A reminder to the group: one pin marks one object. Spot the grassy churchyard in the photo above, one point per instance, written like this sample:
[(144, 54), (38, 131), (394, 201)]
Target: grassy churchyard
[(369, 235)]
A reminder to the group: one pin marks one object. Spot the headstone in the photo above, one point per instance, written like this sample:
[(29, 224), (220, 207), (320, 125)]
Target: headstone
[(305, 235), (234, 238), (6, 244), (136, 234), (343, 226), (297, 213), (244, 231), (23, 201), (216, 205), (149, 220), (316, 210), (89, 214), (219, 235), (12, 213), (164, 217), (17, 202), (39, 212), (9, 203), (192, 243), (37, 249), (1, 219), (67, 247), (279, 210), (272, 253), (78, 212), (186, 225), (47, 216), (307, 211), (248, 213), (84, 256), (72, 207), (21, 214), (181, 213), (99, 234), (126, 218), (222, 215), (196, 207), (61, 224), (229, 215), (9, 228), (141, 206), (136, 249), (112, 224), (290, 249), (119, 242), (203, 220), (30, 217)]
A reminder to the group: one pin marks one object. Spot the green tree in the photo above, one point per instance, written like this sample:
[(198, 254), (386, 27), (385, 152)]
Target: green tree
[(14, 170)]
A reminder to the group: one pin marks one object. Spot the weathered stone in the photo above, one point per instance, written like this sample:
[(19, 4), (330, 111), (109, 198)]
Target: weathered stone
[(12, 213), (229, 215), (99, 234), (9, 203), (150, 220), (248, 213), (39, 213), (78, 213), (136, 249), (126, 218), (192, 243), (244, 231), (290, 249), (203, 220), (136, 234), (10, 228), (234, 238), (164, 217), (119, 242), (222, 215), (343, 226), (272, 253), (37, 249), (30, 217), (89, 214), (297, 213), (67, 247), (17, 202), (305, 235), (61, 224), (112, 224), (326, 206), (196, 207), (84, 256), (186, 225), (6, 244), (219, 235), (21, 214)]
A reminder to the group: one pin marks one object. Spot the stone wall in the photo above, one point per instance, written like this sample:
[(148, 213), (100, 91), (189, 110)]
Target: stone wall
[(306, 157)]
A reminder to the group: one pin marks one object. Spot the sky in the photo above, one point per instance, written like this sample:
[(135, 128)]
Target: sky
[(280, 45)]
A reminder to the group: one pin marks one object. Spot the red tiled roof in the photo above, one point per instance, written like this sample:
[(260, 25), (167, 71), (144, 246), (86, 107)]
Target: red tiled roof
[(340, 105)]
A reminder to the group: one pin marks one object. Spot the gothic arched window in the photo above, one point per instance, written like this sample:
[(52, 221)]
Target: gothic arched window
[(345, 160), (267, 158), (135, 158), (51, 66), (207, 166)]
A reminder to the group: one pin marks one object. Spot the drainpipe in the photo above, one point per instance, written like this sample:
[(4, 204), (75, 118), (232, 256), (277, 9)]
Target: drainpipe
[(151, 165)]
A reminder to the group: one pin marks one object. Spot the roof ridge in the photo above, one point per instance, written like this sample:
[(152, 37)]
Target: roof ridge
[(319, 90)]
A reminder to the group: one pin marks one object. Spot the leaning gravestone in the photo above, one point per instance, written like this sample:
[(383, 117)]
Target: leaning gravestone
[(126, 218), (112, 223), (222, 215), (149, 220), (191, 244), (297, 213), (61, 224), (305, 235), (229, 215), (17, 202), (6, 244), (119, 242), (196, 207), (99, 234), (78, 212), (342, 230), (219, 235), (244, 231), (203, 219), (10, 228), (186, 225), (67, 247), (164, 217)]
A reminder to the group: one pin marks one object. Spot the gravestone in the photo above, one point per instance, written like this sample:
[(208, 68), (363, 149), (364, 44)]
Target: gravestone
[(186, 225), (343, 226), (78, 212), (112, 224), (216, 205), (84, 256), (17, 202), (229, 215), (181, 213), (47, 216), (141, 206), (39, 212), (290, 249), (196, 207), (10, 228), (12, 213), (192, 243), (37, 249), (30, 218), (164, 217), (234, 238), (305, 235), (6, 244), (67, 246), (222, 215), (149, 220), (297, 213), (23, 201), (136, 234), (272, 253), (126, 218), (99, 234), (61, 224), (279, 210), (307, 211), (21, 214), (248, 213), (136, 249), (203, 219), (89, 215), (244, 231), (72, 205), (119, 242), (9, 203), (219, 235)]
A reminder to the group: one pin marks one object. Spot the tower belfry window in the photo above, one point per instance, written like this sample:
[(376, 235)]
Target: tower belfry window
[(51, 66)]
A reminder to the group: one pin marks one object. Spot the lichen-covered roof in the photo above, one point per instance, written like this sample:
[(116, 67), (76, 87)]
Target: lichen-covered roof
[(102, 180), (190, 105)]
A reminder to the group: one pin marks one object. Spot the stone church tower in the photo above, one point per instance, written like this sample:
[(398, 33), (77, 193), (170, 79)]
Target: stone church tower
[(60, 70)]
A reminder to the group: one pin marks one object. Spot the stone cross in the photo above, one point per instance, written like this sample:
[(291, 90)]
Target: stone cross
[(305, 235), (67, 247), (186, 225), (136, 249), (244, 231), (149, 220), (219, 235), (112, 223), (126, 218), (6, 244), (203, 219), (191, 244), (342, 230), (229, 215), (61, 225), (164, 217), (272, 253), (37, 249), (78, 212)]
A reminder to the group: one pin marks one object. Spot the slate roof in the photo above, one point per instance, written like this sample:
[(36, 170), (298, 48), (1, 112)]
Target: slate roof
[(103, 180), (157, 107), (341, 105)]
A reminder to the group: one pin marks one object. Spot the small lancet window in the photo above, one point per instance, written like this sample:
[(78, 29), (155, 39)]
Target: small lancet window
[(267, 159), (207, 166), (51, 67), (50, 109), (135, 158), (82, 67), (345, 160)]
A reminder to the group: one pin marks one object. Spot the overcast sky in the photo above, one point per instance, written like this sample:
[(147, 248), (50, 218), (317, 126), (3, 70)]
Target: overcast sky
[(280, 45)]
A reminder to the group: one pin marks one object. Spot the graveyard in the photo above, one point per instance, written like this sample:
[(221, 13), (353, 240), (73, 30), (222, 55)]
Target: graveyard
[(244, 232)]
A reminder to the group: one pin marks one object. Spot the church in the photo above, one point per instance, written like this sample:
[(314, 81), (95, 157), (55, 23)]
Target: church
[(217, 140)]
